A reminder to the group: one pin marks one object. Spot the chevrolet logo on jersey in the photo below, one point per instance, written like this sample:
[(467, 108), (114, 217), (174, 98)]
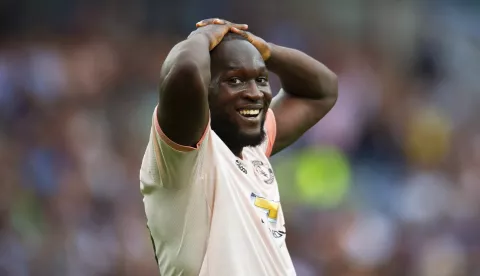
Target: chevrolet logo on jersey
[(268, 206)]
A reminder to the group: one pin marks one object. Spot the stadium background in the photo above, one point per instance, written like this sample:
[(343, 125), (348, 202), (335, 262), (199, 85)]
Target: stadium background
[(387, 184)]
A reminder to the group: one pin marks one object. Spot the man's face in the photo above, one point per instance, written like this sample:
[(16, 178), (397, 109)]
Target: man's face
[(239, 94)]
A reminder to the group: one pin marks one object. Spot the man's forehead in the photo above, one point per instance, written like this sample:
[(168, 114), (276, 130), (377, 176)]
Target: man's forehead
[(244, 63), (238, 54)]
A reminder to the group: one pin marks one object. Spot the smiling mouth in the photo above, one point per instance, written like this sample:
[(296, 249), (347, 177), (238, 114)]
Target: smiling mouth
[(249, 113)]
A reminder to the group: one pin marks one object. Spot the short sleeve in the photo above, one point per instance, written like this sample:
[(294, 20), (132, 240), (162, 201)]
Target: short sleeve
[(271, 130), (167, 164)]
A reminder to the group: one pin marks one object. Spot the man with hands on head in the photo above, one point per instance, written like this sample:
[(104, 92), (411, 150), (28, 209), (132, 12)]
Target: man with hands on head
[(210, 194)]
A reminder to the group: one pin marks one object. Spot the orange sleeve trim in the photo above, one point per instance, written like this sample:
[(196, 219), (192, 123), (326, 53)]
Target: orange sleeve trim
[(271, 126), (172, 143)]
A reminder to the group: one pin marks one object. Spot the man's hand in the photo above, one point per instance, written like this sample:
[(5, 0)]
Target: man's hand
[(262, 46), (218, 21), (214, 34), (215, 29)]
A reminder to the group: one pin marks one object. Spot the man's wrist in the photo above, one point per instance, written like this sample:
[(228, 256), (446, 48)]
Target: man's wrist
[(200, 37), (269, 52), (273, 52)]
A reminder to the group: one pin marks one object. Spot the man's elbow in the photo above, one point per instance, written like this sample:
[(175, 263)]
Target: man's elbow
[(185, 61), (328, 87), (332, 87)]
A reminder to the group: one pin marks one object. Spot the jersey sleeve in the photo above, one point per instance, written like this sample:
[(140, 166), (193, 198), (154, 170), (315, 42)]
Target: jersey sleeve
[(167, 164), (271, 131)]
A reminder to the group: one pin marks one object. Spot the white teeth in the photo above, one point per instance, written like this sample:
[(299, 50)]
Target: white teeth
[(249, 112)]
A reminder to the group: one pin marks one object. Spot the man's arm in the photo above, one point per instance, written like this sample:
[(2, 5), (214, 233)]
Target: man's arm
[(184, 78), (309, 91)]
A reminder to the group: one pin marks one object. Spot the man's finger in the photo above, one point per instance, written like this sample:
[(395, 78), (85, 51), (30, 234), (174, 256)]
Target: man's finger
[(238, 31), (240, 26), (245, 34), (218, 21), (208, 22)]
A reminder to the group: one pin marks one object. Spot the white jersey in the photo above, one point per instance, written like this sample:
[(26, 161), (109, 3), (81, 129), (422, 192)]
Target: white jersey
[(210, 212)]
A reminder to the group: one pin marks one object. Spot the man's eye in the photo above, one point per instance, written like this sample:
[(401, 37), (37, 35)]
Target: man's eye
[(234, 80), (262, 80)]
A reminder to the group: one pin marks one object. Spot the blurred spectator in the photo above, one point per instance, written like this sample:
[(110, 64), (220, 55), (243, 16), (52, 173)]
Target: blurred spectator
[(386, 184)]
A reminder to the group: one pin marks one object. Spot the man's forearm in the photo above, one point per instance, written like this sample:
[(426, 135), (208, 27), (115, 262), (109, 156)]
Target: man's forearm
[(183, 92), (301, 75)]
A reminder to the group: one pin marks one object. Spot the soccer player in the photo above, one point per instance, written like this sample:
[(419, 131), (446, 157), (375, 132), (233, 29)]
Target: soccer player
[(210, 194)]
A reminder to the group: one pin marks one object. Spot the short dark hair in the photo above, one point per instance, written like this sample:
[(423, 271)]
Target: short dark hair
[(231, 37)]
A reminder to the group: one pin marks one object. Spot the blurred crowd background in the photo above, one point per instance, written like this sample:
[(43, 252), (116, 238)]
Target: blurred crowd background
[(387, 184)]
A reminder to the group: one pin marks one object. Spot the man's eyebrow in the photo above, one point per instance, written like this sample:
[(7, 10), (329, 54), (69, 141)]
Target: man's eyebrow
[(233, 67)]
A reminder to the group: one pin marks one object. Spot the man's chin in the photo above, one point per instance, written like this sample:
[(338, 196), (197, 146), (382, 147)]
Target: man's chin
[(238, 140), (234, 136), (251, 139)]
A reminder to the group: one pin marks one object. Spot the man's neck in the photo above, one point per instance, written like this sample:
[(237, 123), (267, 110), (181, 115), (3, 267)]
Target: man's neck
[(237, 152)]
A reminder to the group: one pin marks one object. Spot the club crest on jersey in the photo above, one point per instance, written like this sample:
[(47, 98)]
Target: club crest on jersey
[(263, 171)]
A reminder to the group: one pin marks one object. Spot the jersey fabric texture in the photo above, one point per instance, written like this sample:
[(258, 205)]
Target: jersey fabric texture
[(210, 212)]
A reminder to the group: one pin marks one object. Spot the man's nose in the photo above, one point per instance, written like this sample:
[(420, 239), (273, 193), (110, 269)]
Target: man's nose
[(253, 92)]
